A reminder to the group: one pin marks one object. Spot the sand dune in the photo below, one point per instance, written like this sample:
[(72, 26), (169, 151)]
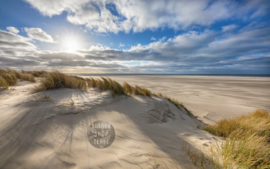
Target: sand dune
[(41, 132), (211, 98), (50, 129)]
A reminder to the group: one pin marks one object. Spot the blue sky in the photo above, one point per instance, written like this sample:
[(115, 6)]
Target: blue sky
[(123, 36)]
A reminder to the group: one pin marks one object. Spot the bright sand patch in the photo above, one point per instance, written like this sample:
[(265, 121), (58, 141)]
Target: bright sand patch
[(211, 98), (42, 132)]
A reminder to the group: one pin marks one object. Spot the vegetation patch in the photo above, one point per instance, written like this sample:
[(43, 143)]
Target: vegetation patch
[(36, 73), (9, 77), (116, 88), (57, 80), (247, 141)]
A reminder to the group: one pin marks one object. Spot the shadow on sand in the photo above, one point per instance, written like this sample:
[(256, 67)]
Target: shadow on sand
[(37, 119)]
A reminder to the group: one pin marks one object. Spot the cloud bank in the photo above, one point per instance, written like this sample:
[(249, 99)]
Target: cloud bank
[(209, 37), (190, 52), (139, 15)]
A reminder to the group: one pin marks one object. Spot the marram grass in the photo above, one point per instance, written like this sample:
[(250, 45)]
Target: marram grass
[(9, 77), (56, 79), (247, 141), (116, 88)]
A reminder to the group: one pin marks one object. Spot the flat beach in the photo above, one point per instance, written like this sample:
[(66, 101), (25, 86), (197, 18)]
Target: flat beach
[(211, 98), (53, 126)]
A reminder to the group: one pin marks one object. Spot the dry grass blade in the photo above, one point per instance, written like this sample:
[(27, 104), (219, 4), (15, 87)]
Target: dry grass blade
[(129, 90), (257, 122), (57, 80), (3, 83), (71, 102), (248, 140), (142, 91), (9, 77)]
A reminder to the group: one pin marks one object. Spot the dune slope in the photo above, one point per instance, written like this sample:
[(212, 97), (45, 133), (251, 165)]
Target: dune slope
[(49, 130)]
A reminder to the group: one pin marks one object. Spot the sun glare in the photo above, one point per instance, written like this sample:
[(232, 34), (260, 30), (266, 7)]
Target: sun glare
[(71, 45)]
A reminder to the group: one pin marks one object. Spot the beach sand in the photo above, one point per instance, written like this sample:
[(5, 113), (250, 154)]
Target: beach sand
[(211, 98), (52, 132)]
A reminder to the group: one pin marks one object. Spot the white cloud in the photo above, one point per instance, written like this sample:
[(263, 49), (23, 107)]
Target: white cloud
[(126, 15), (10, 37), (163, 38), (228, 28), (13, 48), (152, 38), (202, 52), (12, 29), (56, 7), (98, 47), (38, 34), (10, 40)]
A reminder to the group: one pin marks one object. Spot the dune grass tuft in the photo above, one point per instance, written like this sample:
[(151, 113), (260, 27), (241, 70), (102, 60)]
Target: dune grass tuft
[(9, 77), (142, 91), (257, 122), (116, 88), (105, 84), (247, 140), (36, 73), (57, 80), (3, 83), (25, 77), (129, 90)]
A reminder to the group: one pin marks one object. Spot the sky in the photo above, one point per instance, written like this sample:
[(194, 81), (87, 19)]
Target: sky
[(136, 36)]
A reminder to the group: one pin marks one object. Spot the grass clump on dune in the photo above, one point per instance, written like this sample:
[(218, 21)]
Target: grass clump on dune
[(129, 90), (111, 85), (57, 80), (3, 83), (36, 73), (142, 91), (257, 122), (9, 77), (116, 88), (105, 84), (25, 77), (136, 90), (247, 140)]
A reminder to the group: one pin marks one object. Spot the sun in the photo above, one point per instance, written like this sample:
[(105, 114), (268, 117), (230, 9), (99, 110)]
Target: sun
[(71, 44)]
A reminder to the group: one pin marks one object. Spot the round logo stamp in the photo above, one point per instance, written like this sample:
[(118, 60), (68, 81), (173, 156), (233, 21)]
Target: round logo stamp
[(101, 134)]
